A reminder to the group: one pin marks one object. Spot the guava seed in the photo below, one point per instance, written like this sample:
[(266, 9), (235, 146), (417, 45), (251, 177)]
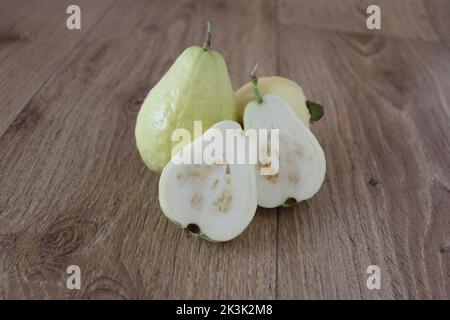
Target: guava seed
[(196, 201)]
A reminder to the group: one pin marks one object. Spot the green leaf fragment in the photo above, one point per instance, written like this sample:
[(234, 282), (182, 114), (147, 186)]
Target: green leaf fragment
[(315, 109)]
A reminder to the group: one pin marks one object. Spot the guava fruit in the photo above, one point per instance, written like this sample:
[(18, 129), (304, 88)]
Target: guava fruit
[(288, 90), (301, 158), (214, 200), (196, 87)]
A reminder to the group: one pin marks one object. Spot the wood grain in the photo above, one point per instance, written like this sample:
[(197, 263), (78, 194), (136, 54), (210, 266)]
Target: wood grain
[(386, 138), (412, 19), (28, 55), (74, 190)]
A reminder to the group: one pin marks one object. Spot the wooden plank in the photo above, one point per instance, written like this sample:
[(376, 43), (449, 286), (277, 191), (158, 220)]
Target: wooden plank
[(34, 41), (51, 208), (412, 19), (76, 191), (385, 200)]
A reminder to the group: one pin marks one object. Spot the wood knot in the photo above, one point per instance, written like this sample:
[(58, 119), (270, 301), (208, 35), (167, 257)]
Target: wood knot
[(66, 236), (373, 182), (28, 118), (135, 100), (107, 288)]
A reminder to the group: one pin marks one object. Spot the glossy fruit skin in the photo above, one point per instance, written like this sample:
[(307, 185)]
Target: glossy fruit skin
[(285, 88), (196, 87)]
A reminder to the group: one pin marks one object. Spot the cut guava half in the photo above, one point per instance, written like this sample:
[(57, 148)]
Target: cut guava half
[(215, 201), (302, 162)]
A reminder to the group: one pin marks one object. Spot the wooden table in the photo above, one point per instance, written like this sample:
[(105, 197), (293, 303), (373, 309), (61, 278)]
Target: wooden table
[(74, 190)]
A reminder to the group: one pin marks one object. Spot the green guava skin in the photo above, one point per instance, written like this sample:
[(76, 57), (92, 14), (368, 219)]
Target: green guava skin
[(197, 87)]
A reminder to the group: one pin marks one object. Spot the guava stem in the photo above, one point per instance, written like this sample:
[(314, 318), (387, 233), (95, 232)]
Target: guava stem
[(207, 42), (255, 85)]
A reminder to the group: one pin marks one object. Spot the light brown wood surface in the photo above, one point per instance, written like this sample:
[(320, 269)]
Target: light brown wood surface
[(73, 189)]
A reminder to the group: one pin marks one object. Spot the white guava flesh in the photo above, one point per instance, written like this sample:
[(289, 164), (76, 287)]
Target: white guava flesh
[(301, 159), (214, 201)]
